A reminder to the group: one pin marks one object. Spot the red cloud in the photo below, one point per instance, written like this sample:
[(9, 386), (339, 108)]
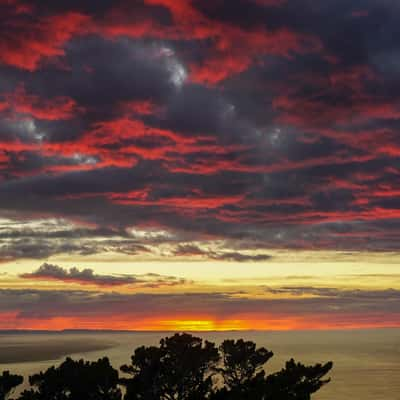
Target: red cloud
[(26, 42), (232, 49), (343, 96), (59, 108), (236, 50), (140, 107), (313, 112), (133, 138), (352, 79), (189, 202)]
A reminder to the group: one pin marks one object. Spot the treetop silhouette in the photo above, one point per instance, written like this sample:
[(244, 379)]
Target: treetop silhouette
[(75, 380), (182, 367), (242, 361), (8, 382)]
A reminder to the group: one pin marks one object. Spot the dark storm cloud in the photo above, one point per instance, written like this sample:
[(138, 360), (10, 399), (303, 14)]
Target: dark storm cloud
[(361, 22), (138, 71), (263, 124)]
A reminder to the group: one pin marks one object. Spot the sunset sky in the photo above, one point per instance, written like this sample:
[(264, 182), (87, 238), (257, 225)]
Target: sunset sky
[(199, 164)]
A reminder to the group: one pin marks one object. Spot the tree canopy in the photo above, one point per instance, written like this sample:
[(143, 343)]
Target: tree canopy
[(7, 383), (242, 362), (182, 367), (75, 380)]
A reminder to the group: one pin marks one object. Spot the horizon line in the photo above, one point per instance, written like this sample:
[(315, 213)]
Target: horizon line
[(74, 330)]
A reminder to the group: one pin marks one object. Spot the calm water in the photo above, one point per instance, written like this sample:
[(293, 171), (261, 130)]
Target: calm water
[(366, 363)]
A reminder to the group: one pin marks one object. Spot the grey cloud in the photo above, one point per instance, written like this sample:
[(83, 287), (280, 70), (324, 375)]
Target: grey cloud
[(88, 276), (84, 276), (236, 256), (48, 304), (192, 250), (39, 248), (335, 293), (100, 74)]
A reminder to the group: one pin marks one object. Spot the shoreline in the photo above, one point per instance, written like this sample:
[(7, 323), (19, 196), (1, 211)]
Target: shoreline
[(16, 352)]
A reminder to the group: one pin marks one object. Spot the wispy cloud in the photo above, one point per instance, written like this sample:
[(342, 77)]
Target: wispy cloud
[(190, 250)]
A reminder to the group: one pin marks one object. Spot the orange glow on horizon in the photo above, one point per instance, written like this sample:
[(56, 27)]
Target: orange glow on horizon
[(10, 321)]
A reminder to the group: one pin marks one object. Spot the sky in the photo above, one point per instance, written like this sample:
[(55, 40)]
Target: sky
[(199, 164)]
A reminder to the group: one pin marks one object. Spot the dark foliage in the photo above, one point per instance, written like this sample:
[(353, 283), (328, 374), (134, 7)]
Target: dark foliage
[(295, 382), (75, 380), (242, 362), (178, 369), (182, 367), (7, 383)]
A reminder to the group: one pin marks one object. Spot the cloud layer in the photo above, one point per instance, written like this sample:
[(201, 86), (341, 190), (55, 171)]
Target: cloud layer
[(332, 309), (187, 116), (187, 130)]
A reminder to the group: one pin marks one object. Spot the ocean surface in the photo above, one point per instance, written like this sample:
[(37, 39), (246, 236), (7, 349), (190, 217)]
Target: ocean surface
[(366, 362)]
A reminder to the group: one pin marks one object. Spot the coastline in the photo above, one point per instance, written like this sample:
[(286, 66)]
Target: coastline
[(21, 352)]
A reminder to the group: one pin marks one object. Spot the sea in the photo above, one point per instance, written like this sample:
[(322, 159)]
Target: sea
[(366, 362)]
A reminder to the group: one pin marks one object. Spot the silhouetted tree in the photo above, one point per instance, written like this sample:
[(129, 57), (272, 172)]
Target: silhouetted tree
[(180, 369), (7, 383), (75, 380), (146, 372), (242, 362), (296, 381)]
